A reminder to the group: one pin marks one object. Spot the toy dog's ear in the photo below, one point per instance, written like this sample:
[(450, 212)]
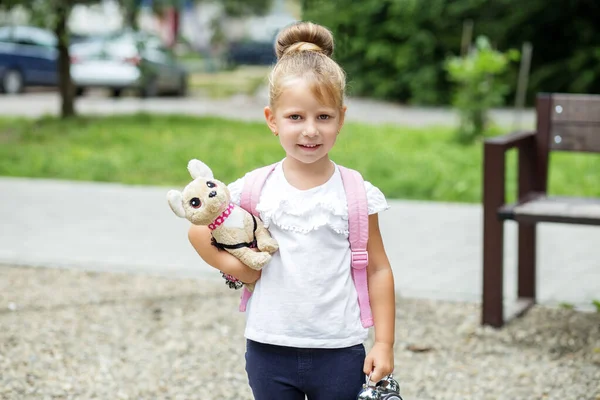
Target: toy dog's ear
[(198, 169), (176, 202)]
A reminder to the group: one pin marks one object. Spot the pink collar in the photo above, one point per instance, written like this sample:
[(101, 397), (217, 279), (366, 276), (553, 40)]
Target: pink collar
[(221, 218)]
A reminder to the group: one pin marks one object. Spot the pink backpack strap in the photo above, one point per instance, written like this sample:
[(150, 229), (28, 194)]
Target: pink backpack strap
[(253, 184), (358, 226)]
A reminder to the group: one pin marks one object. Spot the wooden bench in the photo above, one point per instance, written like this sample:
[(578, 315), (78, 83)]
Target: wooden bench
[(564, 123)]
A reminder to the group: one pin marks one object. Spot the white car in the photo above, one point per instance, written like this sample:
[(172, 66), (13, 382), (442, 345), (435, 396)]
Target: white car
[(128, 60)]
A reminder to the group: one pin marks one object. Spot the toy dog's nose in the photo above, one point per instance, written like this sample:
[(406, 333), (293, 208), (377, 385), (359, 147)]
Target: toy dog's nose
[(212, 194)]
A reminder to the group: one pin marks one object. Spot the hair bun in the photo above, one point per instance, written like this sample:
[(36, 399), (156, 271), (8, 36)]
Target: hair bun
[(304, 36)]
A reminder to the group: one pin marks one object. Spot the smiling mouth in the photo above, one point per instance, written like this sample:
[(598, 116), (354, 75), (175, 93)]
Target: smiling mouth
[(309, 146)]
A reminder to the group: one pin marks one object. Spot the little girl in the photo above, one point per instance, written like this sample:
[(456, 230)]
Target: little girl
[(303, 329)]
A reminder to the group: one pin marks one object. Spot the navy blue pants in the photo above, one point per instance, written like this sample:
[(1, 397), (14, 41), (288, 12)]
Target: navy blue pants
[(289, 373)]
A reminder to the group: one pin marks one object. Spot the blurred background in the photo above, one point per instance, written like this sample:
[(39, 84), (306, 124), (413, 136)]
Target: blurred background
[(392, 50), (107, 42)]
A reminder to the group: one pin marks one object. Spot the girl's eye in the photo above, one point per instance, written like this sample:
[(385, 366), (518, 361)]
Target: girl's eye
[(195, 202), (324, 116), (294, 117), (210, 184)]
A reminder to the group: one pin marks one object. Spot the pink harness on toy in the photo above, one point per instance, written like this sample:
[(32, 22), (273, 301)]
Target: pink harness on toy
[(358, 226), (221, 218)]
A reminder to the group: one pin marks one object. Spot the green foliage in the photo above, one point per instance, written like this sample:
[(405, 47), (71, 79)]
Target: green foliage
[(480, 86), (421, 164), (389, 49), (596, 304), (395, 49)]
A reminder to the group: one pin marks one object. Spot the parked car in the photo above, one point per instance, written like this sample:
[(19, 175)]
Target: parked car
[(127, 60), (28, 57), (251, 53)]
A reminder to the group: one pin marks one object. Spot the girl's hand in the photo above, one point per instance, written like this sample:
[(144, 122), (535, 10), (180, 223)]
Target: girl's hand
[(379, 361)]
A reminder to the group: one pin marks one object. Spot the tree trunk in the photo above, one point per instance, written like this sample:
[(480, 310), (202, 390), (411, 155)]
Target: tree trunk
[(65, 84), (132, 10), (176, 25)]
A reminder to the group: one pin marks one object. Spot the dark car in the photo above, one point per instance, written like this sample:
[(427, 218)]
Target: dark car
[(251, 53), (28, 57)]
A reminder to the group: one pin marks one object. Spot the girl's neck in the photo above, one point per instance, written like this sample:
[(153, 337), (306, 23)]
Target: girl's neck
[(307, 176)]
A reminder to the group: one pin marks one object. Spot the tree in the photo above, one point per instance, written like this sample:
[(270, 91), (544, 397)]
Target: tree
[(395, 49), (53, 14), (131, 10), (480, 86)]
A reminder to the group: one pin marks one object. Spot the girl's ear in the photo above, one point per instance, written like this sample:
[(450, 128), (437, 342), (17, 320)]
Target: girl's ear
[(270, 118)]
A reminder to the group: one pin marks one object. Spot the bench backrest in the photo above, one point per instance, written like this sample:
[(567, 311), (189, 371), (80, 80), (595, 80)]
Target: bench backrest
[(566, 122), (570, 122)]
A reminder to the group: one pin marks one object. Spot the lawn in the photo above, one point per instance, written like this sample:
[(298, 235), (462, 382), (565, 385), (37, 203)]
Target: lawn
[(243, 79), (406, 163)]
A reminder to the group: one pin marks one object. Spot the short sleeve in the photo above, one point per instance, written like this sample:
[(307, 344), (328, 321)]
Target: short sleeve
[(375, 199), (235, 190)]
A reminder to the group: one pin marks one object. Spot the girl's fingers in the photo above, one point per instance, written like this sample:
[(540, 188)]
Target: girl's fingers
[(377, 376), (368, 366)]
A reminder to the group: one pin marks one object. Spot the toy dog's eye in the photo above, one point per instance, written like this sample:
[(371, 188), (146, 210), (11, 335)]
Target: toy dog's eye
[(210, 184), (195, 202)]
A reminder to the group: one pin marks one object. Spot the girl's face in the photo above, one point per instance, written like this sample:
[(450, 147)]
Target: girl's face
[(306, 128)]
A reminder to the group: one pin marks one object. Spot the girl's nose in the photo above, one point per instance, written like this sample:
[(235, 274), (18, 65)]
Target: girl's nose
[(310, 132)]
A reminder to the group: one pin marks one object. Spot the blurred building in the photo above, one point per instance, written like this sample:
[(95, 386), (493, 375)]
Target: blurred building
[(95, 19), (198, 22)]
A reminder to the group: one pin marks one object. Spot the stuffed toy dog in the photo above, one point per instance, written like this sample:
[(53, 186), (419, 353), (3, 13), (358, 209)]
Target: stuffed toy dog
[(206, 201)]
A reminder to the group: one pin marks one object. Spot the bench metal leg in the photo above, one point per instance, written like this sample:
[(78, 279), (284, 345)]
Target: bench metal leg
[(527, 258), (526, 266), (493, 260)]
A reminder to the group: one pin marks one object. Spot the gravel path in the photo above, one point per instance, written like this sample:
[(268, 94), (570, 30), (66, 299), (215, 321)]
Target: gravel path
[(80, 335)]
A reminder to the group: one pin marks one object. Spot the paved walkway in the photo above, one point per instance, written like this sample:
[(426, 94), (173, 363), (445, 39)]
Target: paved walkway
[(246, 108), (435, 248)]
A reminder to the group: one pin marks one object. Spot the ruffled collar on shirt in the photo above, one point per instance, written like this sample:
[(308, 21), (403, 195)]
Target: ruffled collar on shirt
[(305, 210)]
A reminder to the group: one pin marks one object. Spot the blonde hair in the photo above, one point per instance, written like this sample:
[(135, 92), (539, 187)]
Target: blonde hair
[(304, 50)]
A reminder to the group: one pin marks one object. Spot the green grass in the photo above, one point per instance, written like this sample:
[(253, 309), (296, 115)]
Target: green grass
[(148, 149), (243, 79)]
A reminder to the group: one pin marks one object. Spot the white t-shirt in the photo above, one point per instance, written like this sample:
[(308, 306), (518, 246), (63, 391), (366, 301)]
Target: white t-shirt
[(306, 296)]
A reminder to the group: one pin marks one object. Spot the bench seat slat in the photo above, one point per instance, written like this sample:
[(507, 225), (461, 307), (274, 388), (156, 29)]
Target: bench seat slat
[(574, 210)]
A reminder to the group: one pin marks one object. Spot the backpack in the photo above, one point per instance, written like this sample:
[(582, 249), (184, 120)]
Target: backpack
[(358, 227)]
